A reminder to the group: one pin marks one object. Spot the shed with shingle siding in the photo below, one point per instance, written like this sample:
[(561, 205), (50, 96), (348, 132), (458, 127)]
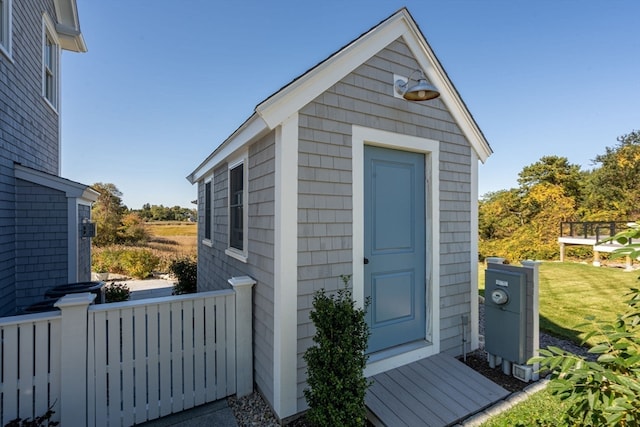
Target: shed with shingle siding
[(304, 192)]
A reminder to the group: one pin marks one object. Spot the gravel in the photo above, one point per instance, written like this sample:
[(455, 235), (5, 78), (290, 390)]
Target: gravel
[(252, 411)]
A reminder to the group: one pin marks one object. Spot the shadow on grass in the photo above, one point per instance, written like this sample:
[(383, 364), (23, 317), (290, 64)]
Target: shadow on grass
[(559, 331)]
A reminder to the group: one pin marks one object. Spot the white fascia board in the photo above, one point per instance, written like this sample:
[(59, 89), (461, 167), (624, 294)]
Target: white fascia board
[(68, 26), (448, 94), (252, 129), (299, 93), (70, 188)]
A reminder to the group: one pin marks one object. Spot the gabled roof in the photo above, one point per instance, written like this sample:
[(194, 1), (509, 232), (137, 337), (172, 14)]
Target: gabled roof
[(68, 26), (291, 98)]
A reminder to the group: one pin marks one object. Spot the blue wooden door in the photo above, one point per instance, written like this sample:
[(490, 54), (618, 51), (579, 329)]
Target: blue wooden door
[(394, 246)]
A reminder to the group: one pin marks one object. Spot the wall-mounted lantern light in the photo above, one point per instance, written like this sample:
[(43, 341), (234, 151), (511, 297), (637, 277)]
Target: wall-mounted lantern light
[(421, 91)]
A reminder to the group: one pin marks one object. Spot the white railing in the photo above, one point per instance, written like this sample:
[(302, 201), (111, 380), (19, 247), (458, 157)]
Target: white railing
[(125, 363)]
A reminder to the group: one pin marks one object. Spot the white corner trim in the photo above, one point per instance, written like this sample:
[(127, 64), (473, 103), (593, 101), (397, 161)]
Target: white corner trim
[(72, 240), (474, 251), (285, 282), (362, 136)]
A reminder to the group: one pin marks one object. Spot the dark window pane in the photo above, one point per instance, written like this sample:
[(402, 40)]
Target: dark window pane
[(207, 210), (236, 226)]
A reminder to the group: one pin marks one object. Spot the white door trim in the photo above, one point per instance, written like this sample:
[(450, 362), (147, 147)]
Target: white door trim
[(362, 136)]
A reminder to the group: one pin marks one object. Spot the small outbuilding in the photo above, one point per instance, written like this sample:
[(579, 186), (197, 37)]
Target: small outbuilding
[(346, 171)]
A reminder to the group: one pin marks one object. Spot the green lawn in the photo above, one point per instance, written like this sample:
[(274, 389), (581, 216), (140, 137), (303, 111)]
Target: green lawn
[(570, 291), (541, 406)]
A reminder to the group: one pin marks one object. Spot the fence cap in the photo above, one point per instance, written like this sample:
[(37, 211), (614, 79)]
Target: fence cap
[(529, 263), (69, 300), (241, 281)]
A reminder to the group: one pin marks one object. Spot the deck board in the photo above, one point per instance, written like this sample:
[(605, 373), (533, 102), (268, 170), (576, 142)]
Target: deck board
[(437, 391)]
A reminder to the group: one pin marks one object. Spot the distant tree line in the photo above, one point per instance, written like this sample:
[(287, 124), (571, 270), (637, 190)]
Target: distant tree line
[(524, 222), (165, 213)]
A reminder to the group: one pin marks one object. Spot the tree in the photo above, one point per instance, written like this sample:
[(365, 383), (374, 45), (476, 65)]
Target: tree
[(553, 170), (107, 213), (114, 225), (613, 186)]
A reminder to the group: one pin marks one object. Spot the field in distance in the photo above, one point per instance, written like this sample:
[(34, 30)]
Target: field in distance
[(175, 237)]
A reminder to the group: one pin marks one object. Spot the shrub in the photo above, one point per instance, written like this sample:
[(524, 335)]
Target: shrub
[(186, 271), (116, 292), (607, 391), (139, 263), (335, 363)]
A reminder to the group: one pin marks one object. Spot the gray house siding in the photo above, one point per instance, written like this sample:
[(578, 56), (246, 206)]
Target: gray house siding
[(215, 267), (29, 135), (28, 128), (41, 254), (325, 192)]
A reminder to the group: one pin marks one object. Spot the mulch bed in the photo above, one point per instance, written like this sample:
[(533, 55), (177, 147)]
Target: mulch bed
[(478, 362)]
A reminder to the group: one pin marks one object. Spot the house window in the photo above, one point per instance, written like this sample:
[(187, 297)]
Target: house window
[(236, 207), (207, 210), (5, 27), (50, 54)]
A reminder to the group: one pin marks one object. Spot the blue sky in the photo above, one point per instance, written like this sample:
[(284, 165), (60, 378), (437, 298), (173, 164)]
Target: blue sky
[(165, 82)]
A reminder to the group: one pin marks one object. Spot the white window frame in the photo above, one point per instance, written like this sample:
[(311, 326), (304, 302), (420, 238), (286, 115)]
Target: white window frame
[(208, 241), (5, 27), (242, 159), (50, 88)]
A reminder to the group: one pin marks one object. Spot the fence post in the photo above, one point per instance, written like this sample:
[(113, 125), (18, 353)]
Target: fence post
[(73, 358), (244, 334)]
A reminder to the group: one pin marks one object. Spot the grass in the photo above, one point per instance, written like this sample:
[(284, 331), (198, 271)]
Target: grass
[(172, 239), (569, 292), (542, 407)]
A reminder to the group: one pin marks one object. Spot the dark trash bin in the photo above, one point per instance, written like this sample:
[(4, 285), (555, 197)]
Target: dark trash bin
[(41, 306), (76, 288)]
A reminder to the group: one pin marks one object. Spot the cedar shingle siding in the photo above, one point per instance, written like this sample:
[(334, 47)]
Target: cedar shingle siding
[(363, 98), (215, 267)]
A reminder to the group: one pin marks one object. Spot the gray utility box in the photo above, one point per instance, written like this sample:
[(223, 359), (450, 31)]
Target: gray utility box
[(505, 314)]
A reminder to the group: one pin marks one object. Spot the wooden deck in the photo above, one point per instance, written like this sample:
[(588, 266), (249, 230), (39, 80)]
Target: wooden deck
[(437, 391)]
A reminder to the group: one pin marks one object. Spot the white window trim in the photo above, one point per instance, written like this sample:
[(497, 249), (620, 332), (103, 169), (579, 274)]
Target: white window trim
[(49, 30), (6, 29), (241, 159), (209, 241)]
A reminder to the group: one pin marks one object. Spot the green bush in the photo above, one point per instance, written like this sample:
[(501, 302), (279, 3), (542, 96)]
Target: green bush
[(335, 363), (186, 271), (607, 391), (138, 263), (116, 292)]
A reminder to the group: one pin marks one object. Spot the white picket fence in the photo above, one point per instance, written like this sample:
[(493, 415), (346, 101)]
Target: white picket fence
[(121, 364)]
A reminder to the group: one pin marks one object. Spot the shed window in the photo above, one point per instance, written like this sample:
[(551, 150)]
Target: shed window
[(236, 207), (5, 27), (207, 210)]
